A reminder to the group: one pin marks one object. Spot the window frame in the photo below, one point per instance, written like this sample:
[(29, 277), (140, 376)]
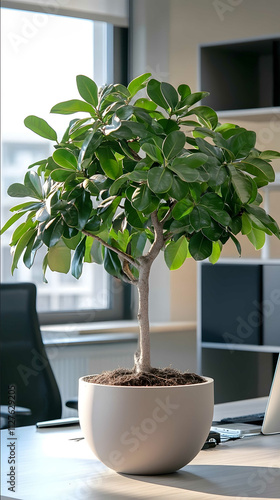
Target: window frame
[(120, 296)]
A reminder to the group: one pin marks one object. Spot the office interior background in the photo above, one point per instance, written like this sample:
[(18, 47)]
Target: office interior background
[(45, 45)]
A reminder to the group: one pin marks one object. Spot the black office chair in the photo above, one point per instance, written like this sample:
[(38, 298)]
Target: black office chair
[(24, 363)]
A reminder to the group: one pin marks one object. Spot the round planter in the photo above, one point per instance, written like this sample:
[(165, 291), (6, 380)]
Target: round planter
[(146, 430)]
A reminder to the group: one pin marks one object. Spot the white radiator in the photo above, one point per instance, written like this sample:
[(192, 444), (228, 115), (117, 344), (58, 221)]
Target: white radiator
[(69, 363)]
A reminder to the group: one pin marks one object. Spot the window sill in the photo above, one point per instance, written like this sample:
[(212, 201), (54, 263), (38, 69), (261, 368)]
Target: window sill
[(105, 332)]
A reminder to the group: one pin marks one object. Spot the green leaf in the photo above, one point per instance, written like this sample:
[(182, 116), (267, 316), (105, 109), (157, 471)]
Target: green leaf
[(246, 224), (124, 112), (216, 252), (236, 224), (159, 179), (173, 144), (84, 206), (155, 93), (59, 258), (112, 263), (257, 167), (257, 238), (145, 103), (153, 152), (178, 189), (88, 89), (236, 242), (17, 190), (32, 181), (168, 125), (56, 232), (65, 159), (263, 217), (259, 225), (141, 198), (26, 206), (242, 184), (207, 115), (189, 123), (185, 167), (107, 213), (185, 173), (191, 99), (20, 230), (77, 261), (220, 216), (138, 83), (137, 244), (182, 208), (108, 162), (21, 245), (11, 221), (72, 106), (70, 216), (80, 132), (194, 160), (213, 232), (170, 94), (176, 252), (40, 127), (269, 155), (209, 149), (134, 218), (30, 252), (89, 146), (227, 129), (71, 241), (199, 218), (118, 183), (138, 175), (184, 90), (39, 162), (212, 201), (242, 143), (114, 125), (94, 251), (122, 239), (76, 124), (61, 174), (200, 247)]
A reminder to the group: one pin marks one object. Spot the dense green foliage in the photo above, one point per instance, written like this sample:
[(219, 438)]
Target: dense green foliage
[(93, 199)]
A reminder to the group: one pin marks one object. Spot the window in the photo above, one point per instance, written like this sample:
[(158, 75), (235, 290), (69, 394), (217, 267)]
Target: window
[(41, 56)]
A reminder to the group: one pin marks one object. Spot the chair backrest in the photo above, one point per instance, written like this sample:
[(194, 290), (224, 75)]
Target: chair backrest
[(24, 362)]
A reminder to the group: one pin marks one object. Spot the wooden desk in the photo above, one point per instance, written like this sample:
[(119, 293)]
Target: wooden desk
[(51, 465)]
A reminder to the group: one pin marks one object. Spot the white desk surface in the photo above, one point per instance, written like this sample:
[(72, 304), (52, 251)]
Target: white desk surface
[(52, 466)]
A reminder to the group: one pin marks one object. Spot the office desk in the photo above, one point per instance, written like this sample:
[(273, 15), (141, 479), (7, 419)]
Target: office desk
[(52, 465)]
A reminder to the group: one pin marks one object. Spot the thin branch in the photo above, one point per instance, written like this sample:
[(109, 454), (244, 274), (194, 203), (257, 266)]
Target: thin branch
[(134, 154), (159, 240), (168, 235), (128, 273), (122, 255), (168, 212), (126, 279)]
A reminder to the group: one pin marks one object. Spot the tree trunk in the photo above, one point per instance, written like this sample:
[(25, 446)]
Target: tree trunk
[(142, 358)]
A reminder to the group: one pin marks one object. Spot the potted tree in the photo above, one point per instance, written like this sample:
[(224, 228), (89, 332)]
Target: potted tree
[(134, 177)]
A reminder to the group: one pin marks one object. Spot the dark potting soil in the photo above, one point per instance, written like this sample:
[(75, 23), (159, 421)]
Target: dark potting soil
[(156, 377)]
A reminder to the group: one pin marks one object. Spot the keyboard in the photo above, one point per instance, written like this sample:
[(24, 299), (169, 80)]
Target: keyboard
[(256, 419)]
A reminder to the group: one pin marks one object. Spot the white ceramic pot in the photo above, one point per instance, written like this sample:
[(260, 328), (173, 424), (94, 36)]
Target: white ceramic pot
[(146, 430)]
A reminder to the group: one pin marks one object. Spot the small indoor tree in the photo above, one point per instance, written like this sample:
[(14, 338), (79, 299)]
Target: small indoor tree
[(137, 176)]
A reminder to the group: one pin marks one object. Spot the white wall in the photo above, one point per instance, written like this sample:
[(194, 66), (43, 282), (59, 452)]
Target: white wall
[(165, 36), (112, 11)]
